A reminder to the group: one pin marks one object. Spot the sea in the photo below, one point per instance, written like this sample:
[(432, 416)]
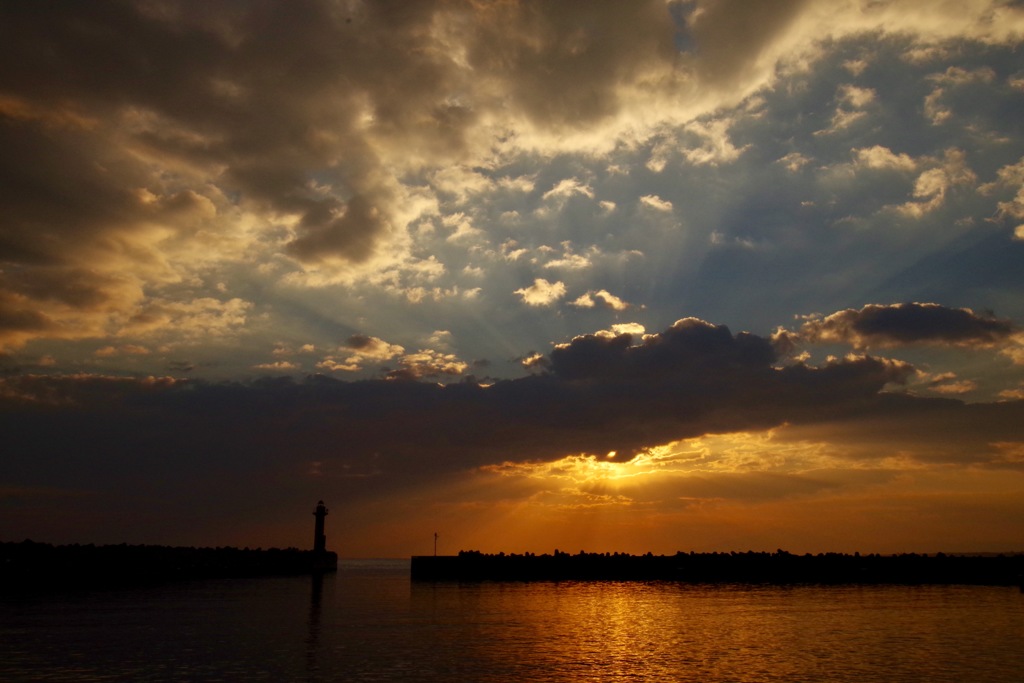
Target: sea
[(369, 622)]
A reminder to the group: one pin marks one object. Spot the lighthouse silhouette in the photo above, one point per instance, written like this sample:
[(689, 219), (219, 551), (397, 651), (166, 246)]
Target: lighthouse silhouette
[(322, 559), (319, 539)]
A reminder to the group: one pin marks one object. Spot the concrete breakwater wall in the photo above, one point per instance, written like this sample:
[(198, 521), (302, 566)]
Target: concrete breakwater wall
[(779, 567), (41, 566)]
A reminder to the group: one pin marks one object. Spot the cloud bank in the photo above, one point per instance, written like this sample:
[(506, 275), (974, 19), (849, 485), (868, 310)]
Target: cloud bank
[(904, 324)]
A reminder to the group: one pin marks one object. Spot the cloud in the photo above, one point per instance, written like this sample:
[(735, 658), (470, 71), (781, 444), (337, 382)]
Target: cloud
[(678, 346), (365, 350), (934, 108), (332, 229), (933, 185), (534, 360), (794, 161), (463, 227), (628, 328), (855, 97), (590, 299), (1014, 349), (200, 318), (428, 363), (567, 188), (541, 292), (656, 203), (124, 349), (440, 338), (715, 146), (362, 349), (733, 37), (372, 347), (879, 157), (278, 366), (573, 261), (511, 250), (286, 350), (851, 103), (1009, 177), (881, 326), (955, 388), (333, 364), (463, 182), (598, 393)]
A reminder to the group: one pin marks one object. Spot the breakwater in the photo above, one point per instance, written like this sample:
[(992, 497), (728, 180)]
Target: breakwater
[(779, 567), (40, 566)]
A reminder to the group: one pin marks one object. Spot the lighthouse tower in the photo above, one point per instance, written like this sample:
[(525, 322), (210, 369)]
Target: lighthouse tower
[(319, 539)]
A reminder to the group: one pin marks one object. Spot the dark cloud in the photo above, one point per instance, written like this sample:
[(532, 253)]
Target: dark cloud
[(690, 347), (359, 341), (253, 89), (730, 35), (349, 234), (925, 431), (16, 318), (565, 67), (68, 206), (184, 448), (877, 325), (601, 394)]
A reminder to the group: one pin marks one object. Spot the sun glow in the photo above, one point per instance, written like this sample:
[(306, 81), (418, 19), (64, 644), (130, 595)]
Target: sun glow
[(716, 492), (716, 454), (576, 469)]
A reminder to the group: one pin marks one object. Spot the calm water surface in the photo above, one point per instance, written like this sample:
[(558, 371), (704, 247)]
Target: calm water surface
[(369, 623)]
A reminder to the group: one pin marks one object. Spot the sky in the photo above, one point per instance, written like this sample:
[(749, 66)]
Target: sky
[(640, 276)]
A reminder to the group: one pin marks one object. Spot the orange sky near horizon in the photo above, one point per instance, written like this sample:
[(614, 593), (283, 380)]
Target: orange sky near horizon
[(722, 493)]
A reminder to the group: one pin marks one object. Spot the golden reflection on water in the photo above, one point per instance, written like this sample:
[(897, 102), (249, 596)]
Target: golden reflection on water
[(369, 623), (610, 631)]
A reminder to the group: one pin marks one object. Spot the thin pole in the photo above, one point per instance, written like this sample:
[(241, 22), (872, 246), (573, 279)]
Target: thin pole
[(435, 544)]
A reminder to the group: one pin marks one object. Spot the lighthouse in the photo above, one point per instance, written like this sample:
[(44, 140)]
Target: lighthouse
[(319, 539), (321, 560)]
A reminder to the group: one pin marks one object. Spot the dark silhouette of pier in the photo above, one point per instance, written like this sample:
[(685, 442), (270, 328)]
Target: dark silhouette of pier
[(779, 567), (28, 566)]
